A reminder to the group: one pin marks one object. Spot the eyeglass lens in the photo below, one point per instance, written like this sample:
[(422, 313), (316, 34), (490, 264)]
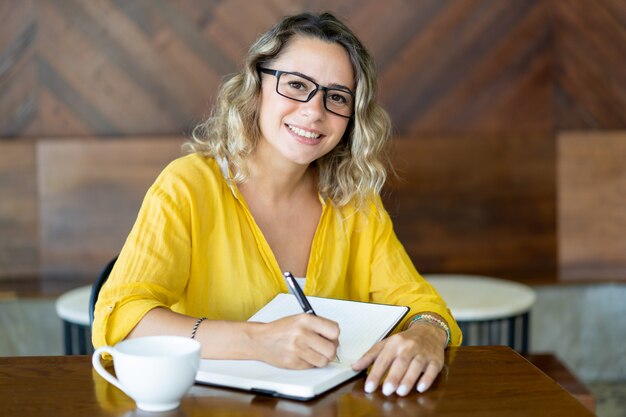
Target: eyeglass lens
[(298, 88)]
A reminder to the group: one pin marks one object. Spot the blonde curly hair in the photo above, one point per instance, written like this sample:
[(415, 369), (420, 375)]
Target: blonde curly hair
[(356, 169)]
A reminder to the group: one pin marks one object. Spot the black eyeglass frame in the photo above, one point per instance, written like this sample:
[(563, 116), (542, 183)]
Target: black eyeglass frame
[(278, 73)]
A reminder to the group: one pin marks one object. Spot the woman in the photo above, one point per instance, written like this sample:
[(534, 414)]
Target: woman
[(284, 176)]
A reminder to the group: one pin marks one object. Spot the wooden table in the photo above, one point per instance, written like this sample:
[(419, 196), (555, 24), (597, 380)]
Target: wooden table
[(477, 381)]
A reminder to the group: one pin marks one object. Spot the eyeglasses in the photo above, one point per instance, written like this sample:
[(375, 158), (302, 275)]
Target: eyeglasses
[(301, 88)]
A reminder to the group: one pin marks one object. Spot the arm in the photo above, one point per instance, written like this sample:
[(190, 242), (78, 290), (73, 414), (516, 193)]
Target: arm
[(167, 276), (419, 348), (297, 342), (152, 268)]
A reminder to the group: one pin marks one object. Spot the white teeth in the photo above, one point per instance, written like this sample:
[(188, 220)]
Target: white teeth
[(303, 132)]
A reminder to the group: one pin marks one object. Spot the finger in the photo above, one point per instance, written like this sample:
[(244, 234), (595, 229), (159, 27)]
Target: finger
[(297, 364), (416, 367), (294, 357), (432, 370), (324, 327), (302, 347), (381, 364), (302, 356), (403, 373), (321, 346), (395, 373), (320, 334), (314, 359)]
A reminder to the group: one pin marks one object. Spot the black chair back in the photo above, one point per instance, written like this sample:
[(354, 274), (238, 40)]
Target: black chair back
[(95, 288)]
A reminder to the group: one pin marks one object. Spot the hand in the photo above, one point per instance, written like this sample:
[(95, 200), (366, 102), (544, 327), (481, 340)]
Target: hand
[(414, 354), (297, 342)]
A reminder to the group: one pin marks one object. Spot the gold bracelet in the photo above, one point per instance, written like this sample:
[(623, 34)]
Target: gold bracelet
[(432, 320), (195, 328)]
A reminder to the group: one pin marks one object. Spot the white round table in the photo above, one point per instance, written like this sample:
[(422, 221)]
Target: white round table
[(488, 310), (73, 308)]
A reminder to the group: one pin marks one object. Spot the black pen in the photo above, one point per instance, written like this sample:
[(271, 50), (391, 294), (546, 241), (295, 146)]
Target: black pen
[(299, 294)]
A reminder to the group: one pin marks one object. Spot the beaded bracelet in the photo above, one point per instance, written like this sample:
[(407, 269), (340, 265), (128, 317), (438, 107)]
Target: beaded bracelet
[(432, 320), (195, 328)]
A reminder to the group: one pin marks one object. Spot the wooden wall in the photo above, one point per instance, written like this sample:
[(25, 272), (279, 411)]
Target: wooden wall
[(495, 104)]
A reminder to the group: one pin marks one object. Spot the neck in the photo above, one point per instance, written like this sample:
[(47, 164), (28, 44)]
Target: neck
[(280, 180)]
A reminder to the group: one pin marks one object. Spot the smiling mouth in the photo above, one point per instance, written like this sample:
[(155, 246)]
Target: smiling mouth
[(303, 133)]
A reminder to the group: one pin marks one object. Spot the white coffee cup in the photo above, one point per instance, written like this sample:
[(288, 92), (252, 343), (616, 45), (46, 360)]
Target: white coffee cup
[(155, 371)]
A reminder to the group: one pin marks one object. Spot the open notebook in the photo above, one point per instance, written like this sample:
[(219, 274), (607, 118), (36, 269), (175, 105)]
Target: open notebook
[(361, 326)]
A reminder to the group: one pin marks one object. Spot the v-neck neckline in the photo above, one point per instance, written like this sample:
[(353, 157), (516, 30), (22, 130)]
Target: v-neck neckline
[(267, 253)]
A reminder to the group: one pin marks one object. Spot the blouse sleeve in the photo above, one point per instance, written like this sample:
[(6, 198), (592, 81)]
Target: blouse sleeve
[(153, 267), (394, 279)]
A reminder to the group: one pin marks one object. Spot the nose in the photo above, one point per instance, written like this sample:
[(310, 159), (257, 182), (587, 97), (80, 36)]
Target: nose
[(314, 108)]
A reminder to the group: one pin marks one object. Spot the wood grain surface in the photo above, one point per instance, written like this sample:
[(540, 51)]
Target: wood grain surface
[(590, 88), (18, 211), (592, 201), (466, 205), (476, 381), (118, 68), (89, 194), (481, 89)]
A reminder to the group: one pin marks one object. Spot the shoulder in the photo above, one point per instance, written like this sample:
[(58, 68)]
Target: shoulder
[(371, 208), (372, 215), (189, 170), (190, 177), (194, 165)]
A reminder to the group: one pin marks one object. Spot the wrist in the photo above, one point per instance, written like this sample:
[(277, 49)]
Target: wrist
[(252, 340), (429, 329), (197, 326), (435, 322)]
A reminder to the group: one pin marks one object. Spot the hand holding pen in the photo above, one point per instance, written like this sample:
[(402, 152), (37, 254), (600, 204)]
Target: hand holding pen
[(302, 300)]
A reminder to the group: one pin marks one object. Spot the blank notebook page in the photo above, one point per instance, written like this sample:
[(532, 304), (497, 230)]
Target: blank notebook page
[(361, 325)]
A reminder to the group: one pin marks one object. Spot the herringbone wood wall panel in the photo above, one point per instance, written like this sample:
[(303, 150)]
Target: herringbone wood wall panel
[(118, 68), (590, 84), (591, 200), (476, 89), (459, 67), (18, 209), (470, 196), (89, 194)]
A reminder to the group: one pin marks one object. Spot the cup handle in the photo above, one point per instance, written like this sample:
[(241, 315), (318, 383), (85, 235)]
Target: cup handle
[(95, 360)]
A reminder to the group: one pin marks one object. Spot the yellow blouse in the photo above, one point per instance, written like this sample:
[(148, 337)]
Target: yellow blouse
[(196, 249)]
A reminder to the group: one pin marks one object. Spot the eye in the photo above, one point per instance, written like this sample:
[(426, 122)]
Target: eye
[(338, 99), (297, 85)]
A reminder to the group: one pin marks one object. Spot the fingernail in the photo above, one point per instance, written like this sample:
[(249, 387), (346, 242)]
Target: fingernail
[(421, 387), (402, 390), (388, 388), (370, 387)]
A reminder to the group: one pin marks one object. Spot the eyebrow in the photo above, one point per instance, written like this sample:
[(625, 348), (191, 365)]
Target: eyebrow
[(333, 85)]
